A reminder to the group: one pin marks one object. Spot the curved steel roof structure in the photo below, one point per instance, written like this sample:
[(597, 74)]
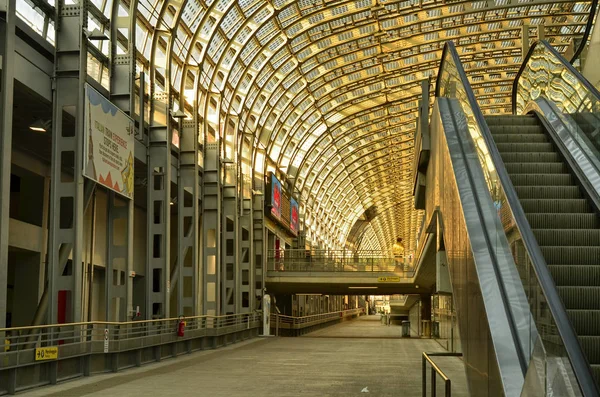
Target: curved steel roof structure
[(324, 92)]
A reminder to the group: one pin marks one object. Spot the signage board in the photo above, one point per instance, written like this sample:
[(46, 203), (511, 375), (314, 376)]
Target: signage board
[(46, 353), (392, 279), (293, 216), (108, 144), (275, 197)]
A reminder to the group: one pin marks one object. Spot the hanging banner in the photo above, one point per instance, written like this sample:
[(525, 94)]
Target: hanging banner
[(293, 216), (275, 197), (109, 140)]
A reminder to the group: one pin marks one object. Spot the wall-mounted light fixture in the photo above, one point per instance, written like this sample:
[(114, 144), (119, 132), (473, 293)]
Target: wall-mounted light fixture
[(40, 125)]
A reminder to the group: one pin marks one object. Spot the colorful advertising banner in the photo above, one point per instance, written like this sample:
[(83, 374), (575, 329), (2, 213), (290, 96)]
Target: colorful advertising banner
[(109, 140), (293, 216), (275, 197)]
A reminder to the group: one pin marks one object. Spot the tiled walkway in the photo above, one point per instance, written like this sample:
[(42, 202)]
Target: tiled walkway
[(346, 359)]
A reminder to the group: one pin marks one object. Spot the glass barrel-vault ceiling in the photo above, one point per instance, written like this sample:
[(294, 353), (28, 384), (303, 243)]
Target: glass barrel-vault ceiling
[(326, 91)]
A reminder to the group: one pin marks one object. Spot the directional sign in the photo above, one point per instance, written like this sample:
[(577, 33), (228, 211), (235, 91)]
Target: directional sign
[(46, 353), (388, 279)]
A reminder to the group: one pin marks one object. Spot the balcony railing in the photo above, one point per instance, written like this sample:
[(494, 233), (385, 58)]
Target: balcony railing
[(339, 261)]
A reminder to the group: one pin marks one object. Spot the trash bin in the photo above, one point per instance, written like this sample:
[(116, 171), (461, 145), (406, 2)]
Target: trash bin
[(384, 319), (406, 329)]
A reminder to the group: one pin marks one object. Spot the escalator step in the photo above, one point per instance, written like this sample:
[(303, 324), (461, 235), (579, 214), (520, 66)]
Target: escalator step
[(520, 138), (525, 147), (516, 130), (571, 221), (561, 255), (579, 297), (590, 344), (548, 192), (511, 120), (542, 157), (537, 206), (573, 275), (585, 322), (596, 371), (541, 179), (536, 168), (567, 237)]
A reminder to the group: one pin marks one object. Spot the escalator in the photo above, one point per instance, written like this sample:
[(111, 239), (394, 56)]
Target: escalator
[(588, 123), (519, 199), (561, 218)]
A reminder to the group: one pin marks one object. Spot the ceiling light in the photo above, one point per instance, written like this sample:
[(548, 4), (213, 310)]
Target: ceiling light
[(40, 126)]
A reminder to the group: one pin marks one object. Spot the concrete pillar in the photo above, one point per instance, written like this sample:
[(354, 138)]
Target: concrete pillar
[(7, 54)]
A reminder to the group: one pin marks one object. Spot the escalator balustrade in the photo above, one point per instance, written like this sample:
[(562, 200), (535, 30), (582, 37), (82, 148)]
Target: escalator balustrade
[(563, 221)]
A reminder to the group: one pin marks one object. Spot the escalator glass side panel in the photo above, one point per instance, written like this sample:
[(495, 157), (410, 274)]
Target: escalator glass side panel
[(557, 361), (548, 83)]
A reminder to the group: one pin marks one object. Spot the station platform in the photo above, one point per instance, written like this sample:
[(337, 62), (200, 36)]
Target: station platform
[(343, 360)]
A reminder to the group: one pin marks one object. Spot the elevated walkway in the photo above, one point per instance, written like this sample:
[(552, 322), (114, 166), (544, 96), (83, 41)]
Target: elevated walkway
[(348, 272)]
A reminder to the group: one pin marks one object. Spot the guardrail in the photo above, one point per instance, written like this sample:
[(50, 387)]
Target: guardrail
[(435, 370), (31, 354), (338, 261), (292, 323)]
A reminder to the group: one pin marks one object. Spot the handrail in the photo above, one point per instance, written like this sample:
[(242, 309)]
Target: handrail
[(435, 370), (588, 86), (45, 326), (588, 29), (564, 327), (451, 49)]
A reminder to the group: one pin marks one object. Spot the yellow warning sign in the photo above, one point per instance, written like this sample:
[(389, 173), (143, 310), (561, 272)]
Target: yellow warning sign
[(388, 279), (46, 353)]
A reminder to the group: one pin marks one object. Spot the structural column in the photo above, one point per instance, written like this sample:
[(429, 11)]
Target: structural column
[(122, 89), (211, 201), (117, 275), (246, 284), (258, 240), (7, 58), (188, 203), (158, 269), (230, 269), (66, 201)]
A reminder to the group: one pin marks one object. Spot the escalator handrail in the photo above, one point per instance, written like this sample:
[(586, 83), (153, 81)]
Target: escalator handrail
[(588, 30), (584, 82), (565, 329)]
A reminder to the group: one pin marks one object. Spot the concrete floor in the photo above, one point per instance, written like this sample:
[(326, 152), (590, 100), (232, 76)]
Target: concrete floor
[(346, 359)]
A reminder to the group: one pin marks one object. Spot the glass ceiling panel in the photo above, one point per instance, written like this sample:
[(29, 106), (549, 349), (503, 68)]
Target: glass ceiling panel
[(331, 88)]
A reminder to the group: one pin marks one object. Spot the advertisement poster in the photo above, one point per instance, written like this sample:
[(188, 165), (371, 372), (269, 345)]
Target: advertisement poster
[(293, 216), (275, 197), (108, 143)]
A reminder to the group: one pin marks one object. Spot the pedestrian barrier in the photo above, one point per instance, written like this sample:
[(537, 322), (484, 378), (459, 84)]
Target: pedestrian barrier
[(299, 325), (435, 370), (48, 354)]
